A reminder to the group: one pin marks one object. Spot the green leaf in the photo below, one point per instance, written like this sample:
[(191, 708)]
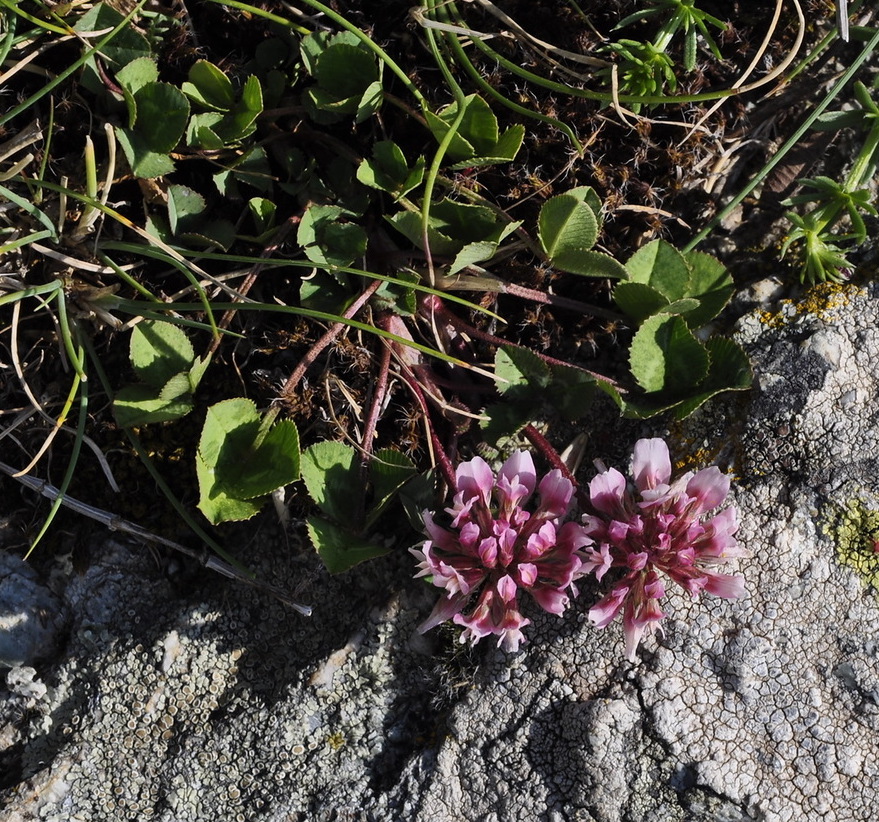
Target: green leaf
[(241, 462), (338, 548), (517, 368), (590, 264), (504, 420), (683, 307), (263, 212), (459, 148), (251, 169), (417, 496), (328, 242), (137, 74), (476, 135), (162, 113), (476, 142), (312, 46), (711, 284), (159, 351), (136, 405), (588, 195), (573, 391), (330, 476), (504, 152), (479, 126), (345, 71), (213, 232), (837, 120), (144, 162), (209, 86), (566, 225), (471, 254), (217, 503), (507, 147), (480, 251), (197, 371), (240, 123), (370, 101), (464, 222), (660, 265), (178, 386), (398, 298), (200, 131), (185, 209), (638, 300), (388, 171), (409, 225), (730, 370), (128, 44), (665, 356), (388, 472), (322, 292)]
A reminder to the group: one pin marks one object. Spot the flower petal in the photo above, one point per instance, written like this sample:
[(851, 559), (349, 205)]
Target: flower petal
[(517, 477), (444, 609), (637, 622), (552, 600), (607, 492), (728, 586), (651, 465), (556, 491), (605, 610), (709, 488), (475, 479)]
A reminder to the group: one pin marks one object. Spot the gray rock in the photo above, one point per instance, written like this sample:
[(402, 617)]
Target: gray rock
[(31, 616), (220, 705)]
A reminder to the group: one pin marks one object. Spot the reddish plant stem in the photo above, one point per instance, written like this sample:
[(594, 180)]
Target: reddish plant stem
[(274, 244), (552, 456), (549, 453), (378, 396), (560, 302), (332, 332), (436, 307), (445, 463)]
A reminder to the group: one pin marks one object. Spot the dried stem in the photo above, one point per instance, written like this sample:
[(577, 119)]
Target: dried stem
[(332, 332)]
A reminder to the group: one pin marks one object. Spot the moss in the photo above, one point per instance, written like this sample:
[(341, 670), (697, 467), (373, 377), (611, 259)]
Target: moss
[(854, 529)]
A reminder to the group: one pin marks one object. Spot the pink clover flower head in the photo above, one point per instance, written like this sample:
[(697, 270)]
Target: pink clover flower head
[(494, 548), (656, 528)]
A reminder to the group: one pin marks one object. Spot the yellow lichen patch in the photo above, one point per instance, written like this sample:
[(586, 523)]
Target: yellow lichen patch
[(854, 529), (825, 297), (773, 319), (699, 458), (336, 741), (818, 300)]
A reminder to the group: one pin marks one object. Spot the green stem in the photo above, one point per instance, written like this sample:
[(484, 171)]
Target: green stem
[(80, 385), (465, 62), (432, 173), (258, 12), (868, 49), (75, 66), (861, 171)]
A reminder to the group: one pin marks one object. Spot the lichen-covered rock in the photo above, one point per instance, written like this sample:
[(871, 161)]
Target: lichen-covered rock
[(31, 616), (218, 704)]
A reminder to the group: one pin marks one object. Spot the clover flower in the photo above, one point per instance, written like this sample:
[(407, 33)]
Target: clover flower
[(493, 548), (664, 533)]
